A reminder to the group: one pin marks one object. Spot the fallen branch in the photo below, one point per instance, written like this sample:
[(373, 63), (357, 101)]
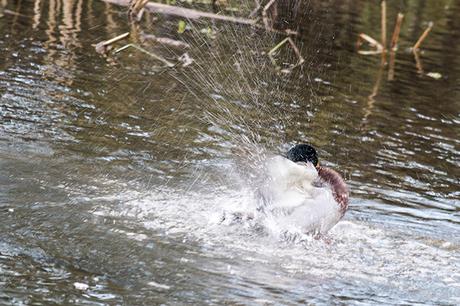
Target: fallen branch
[(416, 47), (184, 12)]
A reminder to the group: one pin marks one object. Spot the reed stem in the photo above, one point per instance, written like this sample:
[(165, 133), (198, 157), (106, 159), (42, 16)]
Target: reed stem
[(416, 47), (396, 32), (384, 29)]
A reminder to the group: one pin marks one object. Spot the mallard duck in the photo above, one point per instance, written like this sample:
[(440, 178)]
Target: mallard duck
[(300, 194)]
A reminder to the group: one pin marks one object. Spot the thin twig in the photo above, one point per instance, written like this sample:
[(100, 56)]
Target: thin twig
[(115, 39), (161, 59), (384, 23), (293, 46), (384, 29), (264, 14), (416, 47), (102, 46), (374, 43), (418, 63), (279, 45), (394, 47), (397, 30)]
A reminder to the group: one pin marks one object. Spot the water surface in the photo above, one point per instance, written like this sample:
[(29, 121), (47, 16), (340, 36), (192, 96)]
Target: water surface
[(114, 170)]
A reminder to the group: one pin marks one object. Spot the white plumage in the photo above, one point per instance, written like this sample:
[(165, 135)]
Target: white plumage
[(295, 198)]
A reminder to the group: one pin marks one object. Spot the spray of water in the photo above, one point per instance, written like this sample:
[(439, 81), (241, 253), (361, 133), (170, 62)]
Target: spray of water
[(248, 105)]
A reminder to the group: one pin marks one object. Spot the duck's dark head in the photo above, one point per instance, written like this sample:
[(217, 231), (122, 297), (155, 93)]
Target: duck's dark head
[(303, 153)]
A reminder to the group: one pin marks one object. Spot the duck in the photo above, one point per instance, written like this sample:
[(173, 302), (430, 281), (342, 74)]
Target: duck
[(301, 194)]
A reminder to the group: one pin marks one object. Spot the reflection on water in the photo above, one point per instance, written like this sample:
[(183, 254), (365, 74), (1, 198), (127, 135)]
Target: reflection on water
[(113, 172)]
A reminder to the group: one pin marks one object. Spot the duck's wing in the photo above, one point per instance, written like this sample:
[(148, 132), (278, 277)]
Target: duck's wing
[(337, 184), (287, 184), (287, 173)]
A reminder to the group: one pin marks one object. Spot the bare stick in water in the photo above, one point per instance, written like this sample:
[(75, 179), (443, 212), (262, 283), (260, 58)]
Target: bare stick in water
[(416, 47), (293, 46), (155, 56), (397, 30), (184, 12), (264, 14), (102, 47), (418, 63), (374, 43), (394, 46), (384, 29)]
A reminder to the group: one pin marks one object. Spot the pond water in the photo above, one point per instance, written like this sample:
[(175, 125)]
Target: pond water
[(114, 170)]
